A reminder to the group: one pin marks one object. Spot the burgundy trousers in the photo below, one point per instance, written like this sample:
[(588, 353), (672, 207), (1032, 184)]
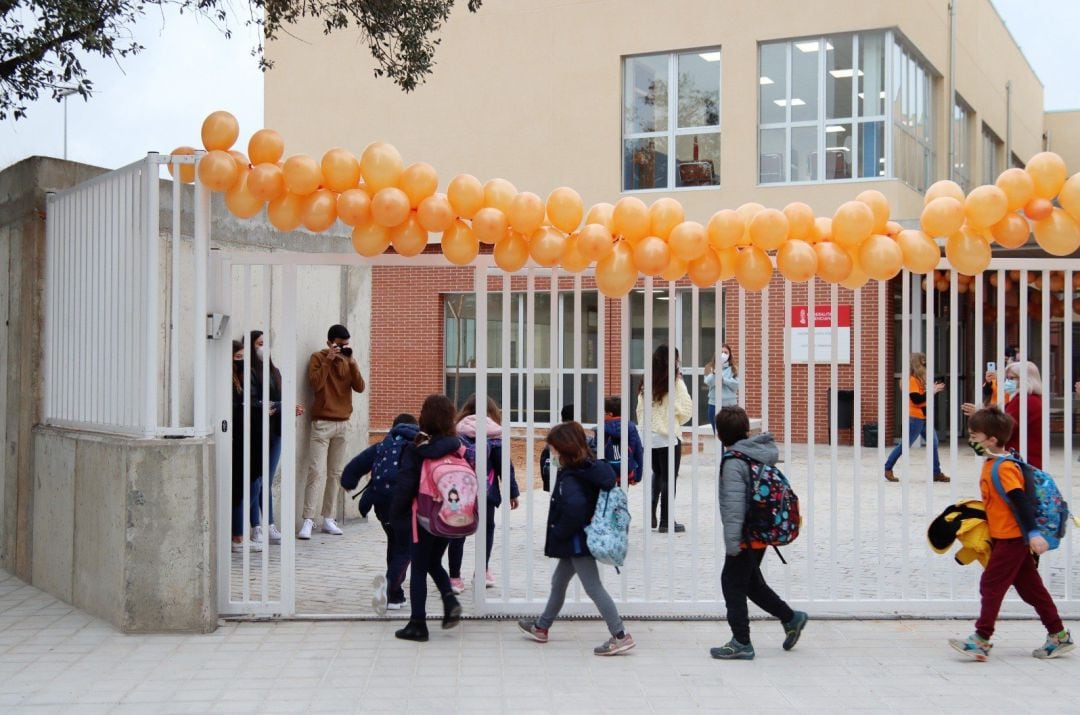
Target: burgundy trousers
[(1012, 564)]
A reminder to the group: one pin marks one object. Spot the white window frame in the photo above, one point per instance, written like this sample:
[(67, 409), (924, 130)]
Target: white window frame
[(992, 149), (673, 129), (906, 56), (960, 125)]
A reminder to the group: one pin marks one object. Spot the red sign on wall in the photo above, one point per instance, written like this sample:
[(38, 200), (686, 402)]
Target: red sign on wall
[(822, 316), (799, 324)]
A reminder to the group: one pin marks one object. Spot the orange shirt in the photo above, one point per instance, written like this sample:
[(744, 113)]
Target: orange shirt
[(917, 411), (999, 514)]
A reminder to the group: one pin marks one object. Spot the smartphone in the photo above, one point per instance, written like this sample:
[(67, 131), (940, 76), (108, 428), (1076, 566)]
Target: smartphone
[(991, 366)]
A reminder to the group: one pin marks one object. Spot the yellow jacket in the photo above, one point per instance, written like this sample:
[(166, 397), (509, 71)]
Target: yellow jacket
[(964, 521), (684, 408)]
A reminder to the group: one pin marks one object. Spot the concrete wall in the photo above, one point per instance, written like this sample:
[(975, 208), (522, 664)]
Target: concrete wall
[(1063, 136)]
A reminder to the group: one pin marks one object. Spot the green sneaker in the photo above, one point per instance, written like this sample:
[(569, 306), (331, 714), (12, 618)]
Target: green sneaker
[(973, 646), (733, 650), (1055, 645), (793, 629)]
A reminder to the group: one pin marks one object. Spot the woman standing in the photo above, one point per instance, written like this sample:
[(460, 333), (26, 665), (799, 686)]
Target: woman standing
[(578, 484), (729, 382), (664, 436), (917, 418), (237, 427), (1032, 383)]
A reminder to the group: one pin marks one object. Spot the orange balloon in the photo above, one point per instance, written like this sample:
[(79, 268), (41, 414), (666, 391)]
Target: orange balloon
[(892, 228), (1058, 234), (729, 259), (1069, 198), (490, 224), (857, 278), (881, 257), (218, 170), (573, 260), (459, 244), (340, 170), (370, 239), (354, 207), (320, 210), (564, 209), (381, 166), (796, 260), (602, 214), (187, 171), (879, 205), (240, 201), (985, 206), (390, 207), (725, 229), (219, 131), (834, 263), (285, 212), (435, 213), (942, 217), (705, 270), (768, 229), (547, 246), (630, 219), (946, 188), (595, 241), (615, 273), (920, 253), (419, 181), (267, 182), (664, 215), (409, 238), (676, 269), (748, 210), (800, 220), (753, 269), (302, 174), (511, 253), (852, 224), (651, 255), (688, 241), (242, 164), (1048, 172), (526, 213), (1037, 209), (498, 193), (968, 251), (266, 147), (822, 230), (466, 195), (1018, 187), (1011, 231)]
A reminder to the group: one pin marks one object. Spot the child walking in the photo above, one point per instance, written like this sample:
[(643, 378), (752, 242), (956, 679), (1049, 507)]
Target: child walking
[(573, 500), (608, 444), (1015, 543), (741, 578)]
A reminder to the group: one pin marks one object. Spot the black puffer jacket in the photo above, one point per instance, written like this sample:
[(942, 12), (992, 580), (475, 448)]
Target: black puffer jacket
[(573, 501), (408, 478)]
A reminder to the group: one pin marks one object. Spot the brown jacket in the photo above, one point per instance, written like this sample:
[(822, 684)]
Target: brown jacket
[(333, 381)]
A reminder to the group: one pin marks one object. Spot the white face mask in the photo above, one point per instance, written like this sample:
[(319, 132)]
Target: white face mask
[(555, 459), (723, 358), (261, 352)]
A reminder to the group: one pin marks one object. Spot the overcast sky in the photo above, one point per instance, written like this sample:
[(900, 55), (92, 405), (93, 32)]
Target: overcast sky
[(157, 100)]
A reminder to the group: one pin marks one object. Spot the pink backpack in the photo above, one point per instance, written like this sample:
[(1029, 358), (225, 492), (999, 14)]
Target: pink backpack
[(445, 504)]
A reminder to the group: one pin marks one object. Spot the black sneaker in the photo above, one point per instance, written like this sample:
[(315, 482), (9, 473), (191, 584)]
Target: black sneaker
[(413, 631), (451, 611), (793, 629)]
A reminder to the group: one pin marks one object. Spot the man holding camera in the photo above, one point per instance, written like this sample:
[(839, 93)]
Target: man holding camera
[(334, 376)]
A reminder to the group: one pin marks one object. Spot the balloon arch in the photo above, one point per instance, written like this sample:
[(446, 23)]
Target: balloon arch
[(389, 204)]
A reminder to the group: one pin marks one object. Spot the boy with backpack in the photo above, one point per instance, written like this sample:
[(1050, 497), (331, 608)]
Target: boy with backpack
[(1016, 541), (613, 451), (382, 461), (747, 457)]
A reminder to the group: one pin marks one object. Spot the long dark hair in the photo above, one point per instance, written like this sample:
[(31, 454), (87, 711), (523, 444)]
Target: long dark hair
[(237, 368), (661, 371), (436, 419), (568, 439), (257, 363), (469, 408)]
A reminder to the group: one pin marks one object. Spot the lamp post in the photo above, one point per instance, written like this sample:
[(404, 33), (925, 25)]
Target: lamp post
[(66, 92)]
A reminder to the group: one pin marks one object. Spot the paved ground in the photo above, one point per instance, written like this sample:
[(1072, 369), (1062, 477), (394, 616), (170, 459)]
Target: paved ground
[(863, 550), (55, 659)]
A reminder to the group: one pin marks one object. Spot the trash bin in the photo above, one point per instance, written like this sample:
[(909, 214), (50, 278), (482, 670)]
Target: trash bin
[(870, 434)]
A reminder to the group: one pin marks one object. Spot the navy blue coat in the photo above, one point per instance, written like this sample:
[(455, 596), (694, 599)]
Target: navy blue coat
[(573, 501), (381, 461)]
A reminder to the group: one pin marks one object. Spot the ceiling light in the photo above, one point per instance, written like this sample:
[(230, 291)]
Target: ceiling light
[(844, 73), (811, 46), (765, 80), (709, 56), (835, 129), (796, 102)]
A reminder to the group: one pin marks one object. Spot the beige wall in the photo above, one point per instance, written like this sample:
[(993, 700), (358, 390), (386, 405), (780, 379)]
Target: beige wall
[(1063, 136), (531, 91)]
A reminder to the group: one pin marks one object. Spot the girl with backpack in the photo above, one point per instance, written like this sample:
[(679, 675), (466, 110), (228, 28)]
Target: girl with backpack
[(578, 484), (466, 430), (435, 439), (664, 436)]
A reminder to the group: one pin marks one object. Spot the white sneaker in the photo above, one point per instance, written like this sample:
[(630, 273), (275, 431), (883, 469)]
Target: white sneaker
[(305, 530), (256, 535), (275, 534), (378, 596), (254, 546), (329, 526)]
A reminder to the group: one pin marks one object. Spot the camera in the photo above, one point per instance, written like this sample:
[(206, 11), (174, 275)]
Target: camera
[(346, 351)]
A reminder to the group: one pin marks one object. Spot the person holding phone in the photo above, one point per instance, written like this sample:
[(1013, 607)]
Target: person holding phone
[(333, 375), (917, 426)]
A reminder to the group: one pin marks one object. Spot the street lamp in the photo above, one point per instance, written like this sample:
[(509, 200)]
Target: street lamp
[(66, 92)]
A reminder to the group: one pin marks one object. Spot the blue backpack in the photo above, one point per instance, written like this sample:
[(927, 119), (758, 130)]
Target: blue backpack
[(1051, 509), (608, 534)]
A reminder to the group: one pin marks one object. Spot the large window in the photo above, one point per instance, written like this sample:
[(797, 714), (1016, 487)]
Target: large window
[(913, 138), (992, 149), (961, 120), (821, 108), (671, 105)]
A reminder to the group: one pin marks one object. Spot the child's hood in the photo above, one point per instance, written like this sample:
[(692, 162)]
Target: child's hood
[(467, 428), (613, 427), (760, 447), (406, 431)]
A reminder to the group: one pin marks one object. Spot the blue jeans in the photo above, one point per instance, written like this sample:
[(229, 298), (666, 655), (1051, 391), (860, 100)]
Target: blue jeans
[(712, 418), (256, 497), (917, 428), (238, 507)]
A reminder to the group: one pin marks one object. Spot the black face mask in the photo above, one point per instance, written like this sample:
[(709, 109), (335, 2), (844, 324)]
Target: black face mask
[(979, 449)]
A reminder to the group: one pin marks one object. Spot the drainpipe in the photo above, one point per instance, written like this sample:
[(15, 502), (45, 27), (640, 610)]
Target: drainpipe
[(952, 90), (1008, 124)]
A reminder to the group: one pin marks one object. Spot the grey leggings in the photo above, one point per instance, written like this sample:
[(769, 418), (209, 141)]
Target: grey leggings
[(587, 573)]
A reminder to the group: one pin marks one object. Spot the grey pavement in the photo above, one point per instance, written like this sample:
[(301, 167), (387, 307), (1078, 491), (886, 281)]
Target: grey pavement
[(55, 659)]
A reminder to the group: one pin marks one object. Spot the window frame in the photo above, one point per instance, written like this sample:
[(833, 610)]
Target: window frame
[(992, 150), (961, 128), (673, 130)]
